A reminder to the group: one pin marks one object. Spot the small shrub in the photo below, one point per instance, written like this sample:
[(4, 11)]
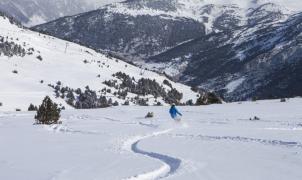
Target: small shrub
[(254, 98), (283, 100), (149, 115), (1, 104), (40, 57), (15, 71), (18, 109), (158, 104), (255, 118), (48, 112), (190, 102), (115, 103), (126, 103)]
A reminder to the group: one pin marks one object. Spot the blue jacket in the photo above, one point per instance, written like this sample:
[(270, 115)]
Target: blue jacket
[(173, 112)]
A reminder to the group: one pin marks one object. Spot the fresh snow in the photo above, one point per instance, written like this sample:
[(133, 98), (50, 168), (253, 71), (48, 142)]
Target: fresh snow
[(211, 142)]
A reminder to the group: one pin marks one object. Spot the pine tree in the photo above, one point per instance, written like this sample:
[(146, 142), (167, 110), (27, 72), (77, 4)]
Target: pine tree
[(48, 112), (32, 108)]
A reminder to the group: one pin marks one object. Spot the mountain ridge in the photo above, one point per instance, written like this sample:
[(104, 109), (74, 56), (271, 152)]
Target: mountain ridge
[(214, 45)]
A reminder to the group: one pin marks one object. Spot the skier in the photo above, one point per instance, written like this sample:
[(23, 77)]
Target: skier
[(174, 112)]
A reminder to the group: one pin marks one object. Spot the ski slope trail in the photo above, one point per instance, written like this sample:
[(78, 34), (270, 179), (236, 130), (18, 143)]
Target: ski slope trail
[(170, 164)]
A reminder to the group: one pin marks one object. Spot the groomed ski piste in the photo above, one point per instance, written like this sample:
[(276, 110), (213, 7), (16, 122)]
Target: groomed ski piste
[(211, 142)]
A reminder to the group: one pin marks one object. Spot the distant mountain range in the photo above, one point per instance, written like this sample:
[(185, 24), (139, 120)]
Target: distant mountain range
[(239, 49)]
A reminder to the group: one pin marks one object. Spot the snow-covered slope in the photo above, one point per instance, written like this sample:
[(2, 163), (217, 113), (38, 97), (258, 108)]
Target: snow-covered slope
[(30, 62), (217, 142)]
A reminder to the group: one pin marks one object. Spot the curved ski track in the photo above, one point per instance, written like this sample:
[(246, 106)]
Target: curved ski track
[(170, 164)]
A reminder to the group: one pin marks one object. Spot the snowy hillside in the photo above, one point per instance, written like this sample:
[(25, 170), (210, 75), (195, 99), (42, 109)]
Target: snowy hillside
[(34, 65), (212, 142)]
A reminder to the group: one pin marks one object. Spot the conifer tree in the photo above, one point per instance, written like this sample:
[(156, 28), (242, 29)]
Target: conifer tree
[(48, 112), (32, 108)]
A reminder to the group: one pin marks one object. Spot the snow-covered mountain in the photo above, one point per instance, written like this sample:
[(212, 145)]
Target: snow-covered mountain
[(263, 60), (214, 44), (33, 65), (33, 12), (142, 28)]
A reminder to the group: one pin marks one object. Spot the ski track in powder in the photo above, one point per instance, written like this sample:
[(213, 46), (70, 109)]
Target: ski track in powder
[(170, 164)]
